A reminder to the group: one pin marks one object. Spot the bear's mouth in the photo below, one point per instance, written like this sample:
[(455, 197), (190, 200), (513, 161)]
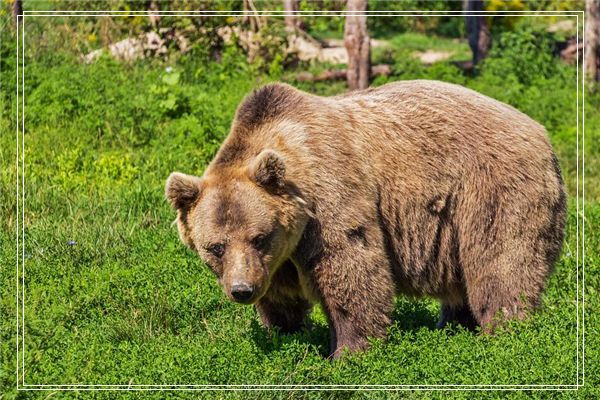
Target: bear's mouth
[(250, 301), (246, 302)]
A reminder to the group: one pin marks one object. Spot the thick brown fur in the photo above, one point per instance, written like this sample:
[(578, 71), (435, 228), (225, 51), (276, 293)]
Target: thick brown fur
[(416, 187)]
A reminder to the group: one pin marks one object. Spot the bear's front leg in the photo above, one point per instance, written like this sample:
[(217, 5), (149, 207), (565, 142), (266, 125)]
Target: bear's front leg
[(284, 305), (289, 315), (357, 291)]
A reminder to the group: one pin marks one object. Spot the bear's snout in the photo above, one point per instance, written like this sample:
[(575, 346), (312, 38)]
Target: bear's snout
[(245, 275), (242, 291)]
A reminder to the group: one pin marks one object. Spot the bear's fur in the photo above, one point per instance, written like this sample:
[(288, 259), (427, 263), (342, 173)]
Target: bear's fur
[(416, 187)]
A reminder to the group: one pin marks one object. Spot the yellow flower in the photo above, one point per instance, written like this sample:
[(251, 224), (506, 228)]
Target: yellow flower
[(505, 5)]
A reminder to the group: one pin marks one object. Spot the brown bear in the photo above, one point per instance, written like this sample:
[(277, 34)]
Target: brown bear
[(416, 187)]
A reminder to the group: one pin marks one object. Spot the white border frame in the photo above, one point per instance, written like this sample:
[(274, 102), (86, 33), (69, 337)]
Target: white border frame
[(20, 156)]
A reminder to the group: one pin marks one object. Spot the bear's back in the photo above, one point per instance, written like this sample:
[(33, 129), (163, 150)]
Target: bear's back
[(431, 107), (427, 127)]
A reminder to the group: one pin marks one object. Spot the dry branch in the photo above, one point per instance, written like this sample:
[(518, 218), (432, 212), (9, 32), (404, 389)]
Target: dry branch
[(339, 74)]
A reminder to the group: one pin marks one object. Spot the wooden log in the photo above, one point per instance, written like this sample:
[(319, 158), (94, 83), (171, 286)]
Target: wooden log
[(570, 49), (339, 74)]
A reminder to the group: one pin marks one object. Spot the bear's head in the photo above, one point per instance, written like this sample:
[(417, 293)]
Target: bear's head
[(243, 222)]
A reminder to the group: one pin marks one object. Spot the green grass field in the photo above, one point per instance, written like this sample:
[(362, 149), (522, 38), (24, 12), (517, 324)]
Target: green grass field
[(111, 296)]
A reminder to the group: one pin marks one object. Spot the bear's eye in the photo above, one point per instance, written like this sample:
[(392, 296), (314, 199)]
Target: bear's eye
[(260, 242), (216, 249)]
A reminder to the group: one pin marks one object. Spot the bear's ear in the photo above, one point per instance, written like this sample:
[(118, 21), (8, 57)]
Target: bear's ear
[(182, 190), (268, 170)]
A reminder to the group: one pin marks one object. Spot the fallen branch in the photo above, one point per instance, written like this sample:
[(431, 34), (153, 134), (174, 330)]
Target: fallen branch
[(147, 44), (339, 74), (570, 49)]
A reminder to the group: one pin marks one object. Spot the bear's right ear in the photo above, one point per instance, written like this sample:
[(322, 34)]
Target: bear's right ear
[(182, 190)]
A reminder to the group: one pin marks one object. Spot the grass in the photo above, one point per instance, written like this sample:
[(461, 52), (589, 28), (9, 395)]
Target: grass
[(418, 42), (113, 297)]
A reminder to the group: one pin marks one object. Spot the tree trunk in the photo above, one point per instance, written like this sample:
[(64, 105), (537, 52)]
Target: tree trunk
[(252, 16), (17, 11), (477, 30), (592, 38), (153, 13), (357, 42), (291, 7)]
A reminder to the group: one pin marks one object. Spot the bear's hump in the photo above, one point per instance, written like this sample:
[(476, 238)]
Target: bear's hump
[(275, 100)]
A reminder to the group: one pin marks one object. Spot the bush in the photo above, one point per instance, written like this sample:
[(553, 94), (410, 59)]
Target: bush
[(525, 53)]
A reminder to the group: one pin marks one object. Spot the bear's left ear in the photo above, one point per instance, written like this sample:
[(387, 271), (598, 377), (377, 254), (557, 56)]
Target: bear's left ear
[(268, 170)]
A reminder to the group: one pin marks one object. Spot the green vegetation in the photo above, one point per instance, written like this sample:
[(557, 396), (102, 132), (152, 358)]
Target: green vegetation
[(113, 297)]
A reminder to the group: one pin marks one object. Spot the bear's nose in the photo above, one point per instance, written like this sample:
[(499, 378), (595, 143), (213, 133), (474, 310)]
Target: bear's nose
[(242, 291)]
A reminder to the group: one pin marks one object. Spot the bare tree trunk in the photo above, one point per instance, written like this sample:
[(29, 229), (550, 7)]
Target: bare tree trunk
[(357, 42), (153, 13), (251, 15), (478, 32), (592, 38), (291, 8), (17, 11)]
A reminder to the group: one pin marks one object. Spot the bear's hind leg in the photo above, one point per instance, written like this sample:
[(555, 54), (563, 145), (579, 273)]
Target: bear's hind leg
[(457, 314), (493, 299), (505, 267), (506, 283)]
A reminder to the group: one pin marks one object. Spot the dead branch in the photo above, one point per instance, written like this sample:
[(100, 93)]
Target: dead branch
[(339, 74)]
